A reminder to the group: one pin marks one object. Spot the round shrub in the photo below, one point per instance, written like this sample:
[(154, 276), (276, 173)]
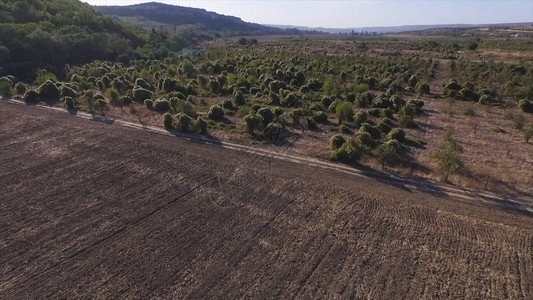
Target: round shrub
[(526, 106), (149, 103), (274, 99), (49, 90), (344, 112), (142, 83), (66, 91), (31, 96), (267, 115), (21, 88), (126, 100), (183, 122), (344, 129), (413, 81), (374, 112), (384, 127), (396, 134), (326, 101), (5, 89), (216, 113), (320, 117), (201, 124), (349, 152), (291, 100), (336, 141), (240, 99), (373, 130), (364, 99), (161, 105), (381, 103), (168, 121), (214, 86), (365, 139), (278, 111), (422, 88), (227, 104), (5, 80), (252, 122), (70, 103), (140, 94), (360, 118)]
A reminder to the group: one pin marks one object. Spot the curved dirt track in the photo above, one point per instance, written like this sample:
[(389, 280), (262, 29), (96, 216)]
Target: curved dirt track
[(90, 210)]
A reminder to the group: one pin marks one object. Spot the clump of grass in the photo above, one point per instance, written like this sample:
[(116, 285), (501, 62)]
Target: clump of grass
[(469, 110)]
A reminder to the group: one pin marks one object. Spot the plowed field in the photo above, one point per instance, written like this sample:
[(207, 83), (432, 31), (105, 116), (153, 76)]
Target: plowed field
[(93, 210)]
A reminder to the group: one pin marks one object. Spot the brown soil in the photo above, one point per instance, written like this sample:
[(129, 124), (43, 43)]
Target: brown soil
[(92, 210)]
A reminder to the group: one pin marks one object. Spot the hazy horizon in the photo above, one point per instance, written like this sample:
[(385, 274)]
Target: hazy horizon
[(360, 13)]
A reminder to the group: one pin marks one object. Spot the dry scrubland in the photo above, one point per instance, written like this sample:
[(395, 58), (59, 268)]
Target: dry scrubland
[(369, 90), (84, 214)]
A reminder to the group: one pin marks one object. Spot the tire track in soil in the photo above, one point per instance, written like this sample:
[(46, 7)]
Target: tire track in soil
[(113, 235), (467, 254)]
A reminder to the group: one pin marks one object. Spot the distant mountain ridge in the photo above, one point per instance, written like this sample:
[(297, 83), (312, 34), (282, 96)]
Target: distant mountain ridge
[(179, 15), (395, 29)]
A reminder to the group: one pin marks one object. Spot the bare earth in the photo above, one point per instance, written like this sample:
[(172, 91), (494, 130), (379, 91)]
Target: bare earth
[(92, 210)]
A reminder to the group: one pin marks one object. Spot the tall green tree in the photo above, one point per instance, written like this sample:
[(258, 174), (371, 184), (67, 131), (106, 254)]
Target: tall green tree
[(447, 156)]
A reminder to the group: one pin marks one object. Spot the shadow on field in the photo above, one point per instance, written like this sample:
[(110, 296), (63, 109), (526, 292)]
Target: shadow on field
[(196, 138), (407, 184), (103, 119), (504, 203)]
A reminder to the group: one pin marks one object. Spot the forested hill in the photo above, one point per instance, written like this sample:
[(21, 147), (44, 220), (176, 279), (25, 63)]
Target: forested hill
[(178, 15), (51, 33)]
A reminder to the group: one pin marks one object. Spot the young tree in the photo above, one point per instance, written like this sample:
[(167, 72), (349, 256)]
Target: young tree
[(447, 156), (344, 112), (388, 153), (101, 105), (252, 121)]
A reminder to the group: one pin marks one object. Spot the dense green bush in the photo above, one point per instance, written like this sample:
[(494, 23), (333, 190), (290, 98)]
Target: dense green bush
[(161, 105), (336, 141), (140, 94), (364, 138), (423, 88), (149, 103), (240, 99), (396, 134), (320, 117), (526, 106), (267, 115), (143, 83), (5, 89), (70, 103), (49, 90), (168, 121), (374, 131), (349, 152), (360, 118), (21, 88), (66, 91), (388, 153), (344, 112), (216, 113), (201, 124), (183, 122), (252, 122), (31, 96)]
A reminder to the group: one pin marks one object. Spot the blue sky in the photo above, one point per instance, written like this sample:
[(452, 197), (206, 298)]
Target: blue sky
[(360, 13)]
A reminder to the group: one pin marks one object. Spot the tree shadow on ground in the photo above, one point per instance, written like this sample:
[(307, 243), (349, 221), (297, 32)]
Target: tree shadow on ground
[(408, 184), (103, 119), (194, 137)]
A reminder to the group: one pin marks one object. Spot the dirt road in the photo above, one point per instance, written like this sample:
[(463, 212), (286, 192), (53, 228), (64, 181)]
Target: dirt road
[(90, 209)]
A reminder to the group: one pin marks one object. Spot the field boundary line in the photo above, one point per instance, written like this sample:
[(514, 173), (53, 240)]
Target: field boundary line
[(459, 192)]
